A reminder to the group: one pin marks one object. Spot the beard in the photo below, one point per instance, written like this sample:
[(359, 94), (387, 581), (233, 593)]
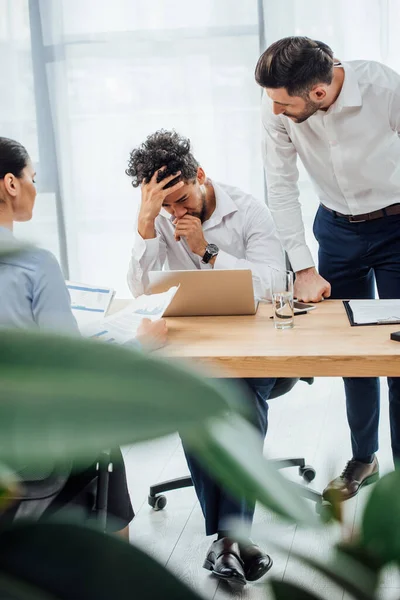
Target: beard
[(309, 110), (201, 214)]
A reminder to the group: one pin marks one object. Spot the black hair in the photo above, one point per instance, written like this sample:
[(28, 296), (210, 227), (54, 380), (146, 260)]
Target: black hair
[(162, 148), (13, 157), (296, 64)]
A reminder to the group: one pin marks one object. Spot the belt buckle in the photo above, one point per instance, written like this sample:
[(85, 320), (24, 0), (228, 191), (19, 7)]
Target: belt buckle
[(353, 219)]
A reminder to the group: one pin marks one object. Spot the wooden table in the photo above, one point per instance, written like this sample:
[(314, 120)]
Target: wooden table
[(322, 343)]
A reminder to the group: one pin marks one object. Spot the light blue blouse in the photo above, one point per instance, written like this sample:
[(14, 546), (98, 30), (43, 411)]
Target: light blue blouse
[(33, 293)]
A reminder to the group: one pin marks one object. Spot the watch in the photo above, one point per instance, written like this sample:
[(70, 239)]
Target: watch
[(211, 251)]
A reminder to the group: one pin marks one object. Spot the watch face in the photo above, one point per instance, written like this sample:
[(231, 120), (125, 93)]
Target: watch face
[(212, 248)]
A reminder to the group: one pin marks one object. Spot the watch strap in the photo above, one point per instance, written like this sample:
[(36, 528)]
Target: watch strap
[(208, 255)]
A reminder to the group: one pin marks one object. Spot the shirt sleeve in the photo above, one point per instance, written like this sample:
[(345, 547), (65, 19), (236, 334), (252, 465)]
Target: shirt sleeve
[(280, 158), (394, 101), (51, 303), (263, 251), (147, 255)]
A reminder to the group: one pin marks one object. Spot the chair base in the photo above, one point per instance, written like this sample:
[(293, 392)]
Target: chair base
[(158, 501)]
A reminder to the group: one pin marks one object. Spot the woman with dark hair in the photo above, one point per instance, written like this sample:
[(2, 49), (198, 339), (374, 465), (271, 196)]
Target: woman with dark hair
[(32, 287), (34, 295)]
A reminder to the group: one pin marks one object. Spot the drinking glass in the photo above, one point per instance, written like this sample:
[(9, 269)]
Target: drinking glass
[(282, 299)]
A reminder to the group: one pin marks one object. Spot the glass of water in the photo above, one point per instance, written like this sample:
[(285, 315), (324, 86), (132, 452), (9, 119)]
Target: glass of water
[(282, 299)]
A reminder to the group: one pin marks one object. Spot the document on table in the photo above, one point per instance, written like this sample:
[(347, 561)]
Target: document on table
[(121, 327), (375, 312), (89, 302)]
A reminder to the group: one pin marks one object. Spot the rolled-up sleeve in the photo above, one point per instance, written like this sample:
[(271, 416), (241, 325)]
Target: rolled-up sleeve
[(263, 250), (147, 255), (280, 163), (394, 105)]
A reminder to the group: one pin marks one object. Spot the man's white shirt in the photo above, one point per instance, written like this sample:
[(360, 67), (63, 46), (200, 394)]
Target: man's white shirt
[(351, 153), (241, 227)]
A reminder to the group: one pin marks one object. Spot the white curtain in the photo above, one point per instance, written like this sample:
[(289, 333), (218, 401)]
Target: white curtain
[(118, 70), (84, 81), (18, 115)]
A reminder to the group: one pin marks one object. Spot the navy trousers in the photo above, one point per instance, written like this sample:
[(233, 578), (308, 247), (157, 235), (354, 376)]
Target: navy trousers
[(353, 257), (217, 505)]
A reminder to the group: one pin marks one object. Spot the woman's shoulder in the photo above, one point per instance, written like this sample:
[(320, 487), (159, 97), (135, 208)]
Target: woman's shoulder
[(38, 259), (38, 265)]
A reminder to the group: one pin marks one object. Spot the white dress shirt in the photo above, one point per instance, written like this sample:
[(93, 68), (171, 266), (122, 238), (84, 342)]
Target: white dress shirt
[(351, 153), (242, 228)]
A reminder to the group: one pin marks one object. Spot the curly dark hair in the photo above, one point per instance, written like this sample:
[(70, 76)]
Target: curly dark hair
[(162, 148)]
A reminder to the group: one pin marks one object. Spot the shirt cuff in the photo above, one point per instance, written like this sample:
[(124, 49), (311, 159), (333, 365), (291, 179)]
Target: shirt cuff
[(225, 261), (149, 247), (301, 258)]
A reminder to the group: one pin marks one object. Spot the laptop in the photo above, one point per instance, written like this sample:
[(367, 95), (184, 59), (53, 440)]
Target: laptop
[(208, 292)]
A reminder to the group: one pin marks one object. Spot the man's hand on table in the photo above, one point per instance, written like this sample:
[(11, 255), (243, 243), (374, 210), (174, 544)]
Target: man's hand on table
[(309, 286)]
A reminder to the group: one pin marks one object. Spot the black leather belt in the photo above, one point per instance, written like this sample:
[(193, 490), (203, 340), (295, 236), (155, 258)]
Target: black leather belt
[(393, 209)]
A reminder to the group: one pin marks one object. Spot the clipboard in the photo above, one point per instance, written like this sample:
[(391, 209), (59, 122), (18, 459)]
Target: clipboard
[(349, 313)]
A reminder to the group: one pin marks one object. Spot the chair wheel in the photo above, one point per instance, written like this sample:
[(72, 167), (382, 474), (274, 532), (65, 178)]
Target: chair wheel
[(307, 473), (157, 502), (324, 510)]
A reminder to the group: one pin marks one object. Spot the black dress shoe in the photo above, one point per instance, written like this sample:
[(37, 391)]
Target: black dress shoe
[(223, 559), (256, 562)]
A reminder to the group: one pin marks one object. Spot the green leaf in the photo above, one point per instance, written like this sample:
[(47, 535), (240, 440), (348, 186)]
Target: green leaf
[(231, 449), (343, 570), (380, 529), (288, 591), (363, 556), (9, 487), (11, 588), (69, 562), (66, 397)]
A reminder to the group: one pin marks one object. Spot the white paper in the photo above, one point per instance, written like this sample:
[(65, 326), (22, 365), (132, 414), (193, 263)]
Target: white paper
[(375, 311), (89, 303), (121, 327)]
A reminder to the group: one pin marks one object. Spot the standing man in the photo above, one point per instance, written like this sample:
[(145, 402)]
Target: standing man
[(343, 121), (185, 222)]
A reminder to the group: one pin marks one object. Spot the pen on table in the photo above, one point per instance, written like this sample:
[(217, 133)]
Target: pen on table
[(302, 312)]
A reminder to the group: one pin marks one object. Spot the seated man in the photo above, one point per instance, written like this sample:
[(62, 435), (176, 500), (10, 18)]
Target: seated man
[(187, 221)]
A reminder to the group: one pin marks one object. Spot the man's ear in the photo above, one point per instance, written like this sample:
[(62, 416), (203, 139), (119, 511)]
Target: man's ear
[(10, 184), (201, 176), (318, 93)]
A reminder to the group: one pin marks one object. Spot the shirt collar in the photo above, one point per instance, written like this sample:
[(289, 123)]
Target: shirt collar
[(350, 94), (224, 205)]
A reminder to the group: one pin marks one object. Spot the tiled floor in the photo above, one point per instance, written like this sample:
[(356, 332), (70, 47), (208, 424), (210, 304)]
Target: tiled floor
[(309, 422)]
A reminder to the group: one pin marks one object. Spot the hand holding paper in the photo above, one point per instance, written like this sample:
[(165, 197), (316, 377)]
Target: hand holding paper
[(152, 334), (123, 326)]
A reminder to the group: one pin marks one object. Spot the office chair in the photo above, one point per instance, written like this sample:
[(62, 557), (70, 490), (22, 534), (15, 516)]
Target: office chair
[(158, 501), (38, 490)]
